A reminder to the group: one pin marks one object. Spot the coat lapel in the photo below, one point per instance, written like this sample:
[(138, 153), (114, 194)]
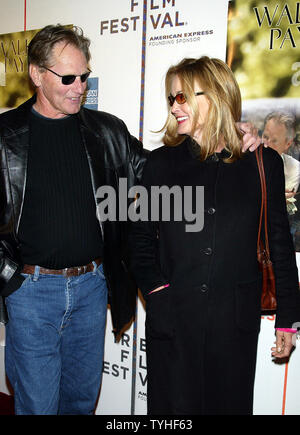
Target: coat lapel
[(17, 156), (16, 150), (94, 149)]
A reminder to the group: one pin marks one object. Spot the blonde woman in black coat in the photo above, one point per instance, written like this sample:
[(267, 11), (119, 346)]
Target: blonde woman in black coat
[(203, 288)]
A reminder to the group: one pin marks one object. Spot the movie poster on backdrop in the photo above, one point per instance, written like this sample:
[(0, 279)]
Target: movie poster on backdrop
[(173, 30), (263, 52), (15, 87)]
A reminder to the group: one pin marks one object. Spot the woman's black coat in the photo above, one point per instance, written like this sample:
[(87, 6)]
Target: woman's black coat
[(202, 330)]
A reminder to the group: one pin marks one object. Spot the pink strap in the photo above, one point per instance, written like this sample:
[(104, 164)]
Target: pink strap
[(287, 330), (164, 286)]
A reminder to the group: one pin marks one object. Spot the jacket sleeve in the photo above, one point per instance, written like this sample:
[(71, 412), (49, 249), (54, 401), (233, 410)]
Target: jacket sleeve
[(143, 242), (10, 278), (282, 250), (138, 156)]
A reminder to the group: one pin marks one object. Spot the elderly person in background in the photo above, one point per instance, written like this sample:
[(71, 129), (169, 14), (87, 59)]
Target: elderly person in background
[(279, 133)]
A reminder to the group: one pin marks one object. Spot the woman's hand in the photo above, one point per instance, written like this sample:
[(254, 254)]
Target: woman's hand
[(284, 344)]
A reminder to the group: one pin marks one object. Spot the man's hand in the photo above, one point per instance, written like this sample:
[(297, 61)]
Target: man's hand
[(289, 194), (251, 140)]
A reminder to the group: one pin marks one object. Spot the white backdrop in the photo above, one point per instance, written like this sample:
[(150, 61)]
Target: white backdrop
[(133, 44)]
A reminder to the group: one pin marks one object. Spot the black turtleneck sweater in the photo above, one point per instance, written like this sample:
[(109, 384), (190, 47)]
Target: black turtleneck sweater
[(58, 227)]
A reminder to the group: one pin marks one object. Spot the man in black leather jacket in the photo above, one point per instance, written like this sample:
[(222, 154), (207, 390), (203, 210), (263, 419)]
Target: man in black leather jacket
[(54, 255)]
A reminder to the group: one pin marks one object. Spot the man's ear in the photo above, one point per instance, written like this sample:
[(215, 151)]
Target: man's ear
[(35, 74), (289, 143)]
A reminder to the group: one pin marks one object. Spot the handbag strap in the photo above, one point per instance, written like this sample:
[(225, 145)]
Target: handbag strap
[(263, 210)]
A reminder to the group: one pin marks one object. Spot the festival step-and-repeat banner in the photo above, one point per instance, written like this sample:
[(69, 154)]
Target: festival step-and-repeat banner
[(133, 43)]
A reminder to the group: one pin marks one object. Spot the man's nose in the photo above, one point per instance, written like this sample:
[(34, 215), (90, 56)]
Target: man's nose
[(79, 86)]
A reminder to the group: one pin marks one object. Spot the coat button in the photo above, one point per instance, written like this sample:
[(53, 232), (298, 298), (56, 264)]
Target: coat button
[(211, 210), (204, 288), (207, 251)]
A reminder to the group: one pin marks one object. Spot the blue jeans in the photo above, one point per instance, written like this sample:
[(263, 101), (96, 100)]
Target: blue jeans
[(55, 342)]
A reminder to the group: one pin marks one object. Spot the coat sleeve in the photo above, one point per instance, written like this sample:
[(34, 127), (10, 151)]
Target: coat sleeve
[(10, 278), (282, 250), (138, 156), (143, 242)]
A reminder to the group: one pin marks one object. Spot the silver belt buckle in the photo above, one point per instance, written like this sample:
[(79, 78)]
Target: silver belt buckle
[(81, 270)]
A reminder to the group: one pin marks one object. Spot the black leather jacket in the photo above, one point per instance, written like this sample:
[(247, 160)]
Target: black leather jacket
[(112, 153)]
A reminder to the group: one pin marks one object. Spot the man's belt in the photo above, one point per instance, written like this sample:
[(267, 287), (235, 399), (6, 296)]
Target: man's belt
[(68, 271)]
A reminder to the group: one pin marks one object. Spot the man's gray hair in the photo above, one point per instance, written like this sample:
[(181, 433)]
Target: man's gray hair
[(285, 118), (41, 46)]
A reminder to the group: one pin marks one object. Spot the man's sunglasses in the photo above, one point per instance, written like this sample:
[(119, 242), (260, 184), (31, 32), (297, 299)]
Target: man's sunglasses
[(180, 98), (69, 79)]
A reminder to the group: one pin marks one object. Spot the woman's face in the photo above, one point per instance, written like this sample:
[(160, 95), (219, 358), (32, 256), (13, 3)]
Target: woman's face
[(183, 112)]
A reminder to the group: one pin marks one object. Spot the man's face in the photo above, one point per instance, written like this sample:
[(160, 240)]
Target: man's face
[(275, 136), (54, 99)]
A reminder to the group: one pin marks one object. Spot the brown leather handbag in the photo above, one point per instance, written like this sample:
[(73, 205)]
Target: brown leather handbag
[(268, 297)]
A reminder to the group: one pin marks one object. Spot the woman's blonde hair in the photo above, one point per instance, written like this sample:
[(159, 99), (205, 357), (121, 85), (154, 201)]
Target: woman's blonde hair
[(220, 87)]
